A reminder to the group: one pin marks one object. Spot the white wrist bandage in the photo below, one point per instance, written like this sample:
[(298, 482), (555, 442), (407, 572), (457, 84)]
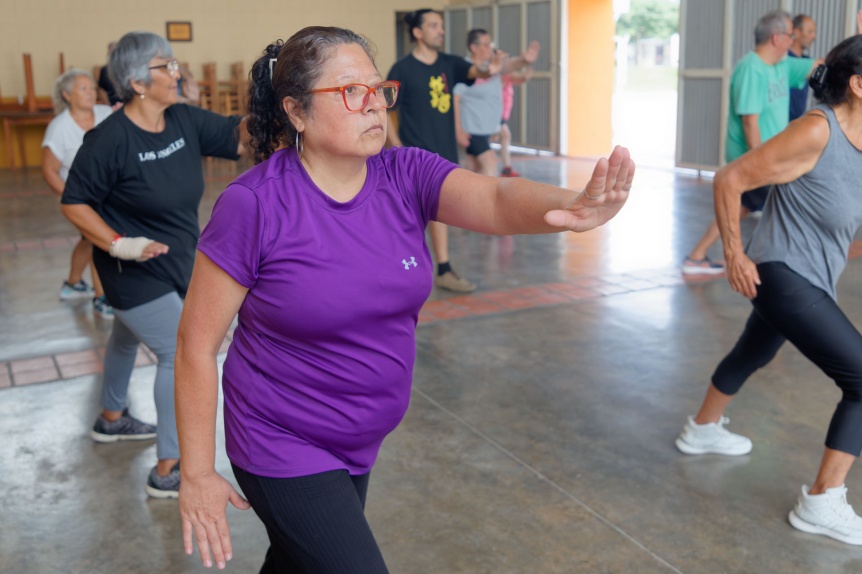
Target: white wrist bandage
[(130, 248)]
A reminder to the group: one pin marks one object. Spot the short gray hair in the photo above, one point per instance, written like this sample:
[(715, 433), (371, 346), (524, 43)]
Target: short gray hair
[(129, 61), (63, 85), (775, 22)]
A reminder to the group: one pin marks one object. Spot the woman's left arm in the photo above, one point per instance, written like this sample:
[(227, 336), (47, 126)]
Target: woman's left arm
[(509, 206)]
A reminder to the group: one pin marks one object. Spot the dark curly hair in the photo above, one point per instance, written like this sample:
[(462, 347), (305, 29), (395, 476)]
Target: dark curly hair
[(297, 67), (830, 82)]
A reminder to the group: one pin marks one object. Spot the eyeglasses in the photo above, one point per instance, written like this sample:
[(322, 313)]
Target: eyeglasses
[(172, 67), (790, 35), (356, 95)]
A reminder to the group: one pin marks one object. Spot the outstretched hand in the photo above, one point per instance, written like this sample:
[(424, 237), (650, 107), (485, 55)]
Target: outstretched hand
[(202, 509), (602, 198), (532, 52)]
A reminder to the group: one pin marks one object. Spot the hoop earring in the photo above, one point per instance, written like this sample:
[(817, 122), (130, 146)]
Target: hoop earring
[(298, 144)]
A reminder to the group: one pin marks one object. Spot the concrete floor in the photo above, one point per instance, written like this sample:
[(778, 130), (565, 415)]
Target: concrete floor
[(540, 433)]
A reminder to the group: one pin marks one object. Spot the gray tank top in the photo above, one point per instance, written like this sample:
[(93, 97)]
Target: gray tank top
[(808, 224)]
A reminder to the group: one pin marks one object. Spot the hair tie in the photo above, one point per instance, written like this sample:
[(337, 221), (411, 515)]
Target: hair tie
[(819, 74), (272, 62)]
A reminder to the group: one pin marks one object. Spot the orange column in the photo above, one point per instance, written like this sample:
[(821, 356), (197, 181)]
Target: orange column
[(590, 76)]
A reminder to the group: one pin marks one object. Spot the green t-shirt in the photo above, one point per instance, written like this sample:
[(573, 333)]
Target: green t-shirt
[(756, 88)]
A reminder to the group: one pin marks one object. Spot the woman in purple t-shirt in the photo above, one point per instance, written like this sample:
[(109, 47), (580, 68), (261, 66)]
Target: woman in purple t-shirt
[(320, 251)]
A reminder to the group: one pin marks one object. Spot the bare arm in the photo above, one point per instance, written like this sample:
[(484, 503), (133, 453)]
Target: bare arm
[(524, 60), (521, 76), (508, 206), (392, 138), (462, 136), (784, 158), (51, 171), (751, 129), (212, 302)]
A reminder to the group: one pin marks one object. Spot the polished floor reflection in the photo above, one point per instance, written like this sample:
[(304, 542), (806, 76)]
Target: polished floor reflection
[(540, 433)]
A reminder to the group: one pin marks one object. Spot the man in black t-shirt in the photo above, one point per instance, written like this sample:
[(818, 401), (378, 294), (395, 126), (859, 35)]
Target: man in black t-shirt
[(425, 117), (424, 112)]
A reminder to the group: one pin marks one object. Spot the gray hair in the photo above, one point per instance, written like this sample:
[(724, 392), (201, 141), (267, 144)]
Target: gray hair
[(129, 61), (775, 22), (63, 85)]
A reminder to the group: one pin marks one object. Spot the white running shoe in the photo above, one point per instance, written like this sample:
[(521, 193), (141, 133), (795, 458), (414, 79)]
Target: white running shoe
[(827, 514), (711, 438)]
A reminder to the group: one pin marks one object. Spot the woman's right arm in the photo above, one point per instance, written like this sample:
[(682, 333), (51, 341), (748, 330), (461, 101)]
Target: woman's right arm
[(51, 170), (100, 234), (782, 159), (213, 300)]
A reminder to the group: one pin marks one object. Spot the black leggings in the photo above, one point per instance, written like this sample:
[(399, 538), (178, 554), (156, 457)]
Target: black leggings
[(316, 524), (788, 307)]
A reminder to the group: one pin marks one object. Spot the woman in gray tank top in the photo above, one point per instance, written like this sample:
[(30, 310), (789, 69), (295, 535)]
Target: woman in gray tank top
[(789, 270)]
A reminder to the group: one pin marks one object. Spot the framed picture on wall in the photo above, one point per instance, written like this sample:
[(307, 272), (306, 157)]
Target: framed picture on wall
[(179, 31)]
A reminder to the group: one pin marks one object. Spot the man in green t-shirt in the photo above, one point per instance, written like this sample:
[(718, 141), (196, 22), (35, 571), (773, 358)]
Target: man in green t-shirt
[(759, 108)]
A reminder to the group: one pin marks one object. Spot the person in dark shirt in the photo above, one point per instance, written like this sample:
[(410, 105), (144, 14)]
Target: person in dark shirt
[(110, 96), (804, 34), (424, 112), (133, 191)]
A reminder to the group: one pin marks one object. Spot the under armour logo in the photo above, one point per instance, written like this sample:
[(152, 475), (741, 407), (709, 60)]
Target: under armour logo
[(407, 264)]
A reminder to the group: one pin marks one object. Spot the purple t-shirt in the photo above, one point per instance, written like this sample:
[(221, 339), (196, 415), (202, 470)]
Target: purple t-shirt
[(321, 363)]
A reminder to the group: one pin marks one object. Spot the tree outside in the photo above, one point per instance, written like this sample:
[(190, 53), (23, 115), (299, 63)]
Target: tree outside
[(645, 98)]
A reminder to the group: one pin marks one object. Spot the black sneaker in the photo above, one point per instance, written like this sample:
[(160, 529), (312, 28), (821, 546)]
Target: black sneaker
[(164, 486), (126, 427)]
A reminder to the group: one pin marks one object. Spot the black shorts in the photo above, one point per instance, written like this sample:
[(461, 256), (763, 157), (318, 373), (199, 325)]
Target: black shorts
[(755, 199), (478, 145)]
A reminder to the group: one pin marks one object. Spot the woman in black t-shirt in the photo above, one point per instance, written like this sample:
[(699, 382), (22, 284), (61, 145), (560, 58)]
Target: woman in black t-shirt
[(133, 191)]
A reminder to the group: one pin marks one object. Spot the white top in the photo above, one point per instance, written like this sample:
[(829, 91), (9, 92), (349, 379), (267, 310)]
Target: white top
[(63, 136)]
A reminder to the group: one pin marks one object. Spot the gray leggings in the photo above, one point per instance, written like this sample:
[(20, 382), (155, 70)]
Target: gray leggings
[(155, 324)]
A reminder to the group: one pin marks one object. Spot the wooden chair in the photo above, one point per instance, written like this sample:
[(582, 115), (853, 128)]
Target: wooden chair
[(233, 92), (209, 87), (33, 102)]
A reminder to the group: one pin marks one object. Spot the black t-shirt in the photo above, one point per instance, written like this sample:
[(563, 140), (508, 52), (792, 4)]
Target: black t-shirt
[(426, 118), (149, 185), (106, 84)]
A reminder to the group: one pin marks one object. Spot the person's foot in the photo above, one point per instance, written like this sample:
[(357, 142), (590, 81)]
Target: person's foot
[(711, 438), (828, 514), (79, 290), (159, 486), (705, 266), (102, 308), (126, 427), (454, 282), (509, 172)]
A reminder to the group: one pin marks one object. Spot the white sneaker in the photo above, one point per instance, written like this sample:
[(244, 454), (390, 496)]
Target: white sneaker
[(827, 514), (711, 437)]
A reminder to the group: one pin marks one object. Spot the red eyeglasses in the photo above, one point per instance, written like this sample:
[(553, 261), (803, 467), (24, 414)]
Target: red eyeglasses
[(356, 95)]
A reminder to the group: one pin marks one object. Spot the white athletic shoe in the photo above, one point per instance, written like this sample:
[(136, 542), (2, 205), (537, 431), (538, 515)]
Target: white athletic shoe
[(711, 438), (827, 514)]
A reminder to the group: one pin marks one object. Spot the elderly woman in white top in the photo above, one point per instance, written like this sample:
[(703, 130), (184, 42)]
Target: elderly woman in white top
[(77, 113)]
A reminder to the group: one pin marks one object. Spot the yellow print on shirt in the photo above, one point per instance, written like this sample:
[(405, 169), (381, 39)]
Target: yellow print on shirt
[(440, 100)]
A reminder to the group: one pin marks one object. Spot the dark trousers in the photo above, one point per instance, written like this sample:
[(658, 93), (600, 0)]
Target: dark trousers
[(788, 307), (316, 524)]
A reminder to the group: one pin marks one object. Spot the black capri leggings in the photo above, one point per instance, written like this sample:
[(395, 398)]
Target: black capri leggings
[(316, 524), (788, 307)]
